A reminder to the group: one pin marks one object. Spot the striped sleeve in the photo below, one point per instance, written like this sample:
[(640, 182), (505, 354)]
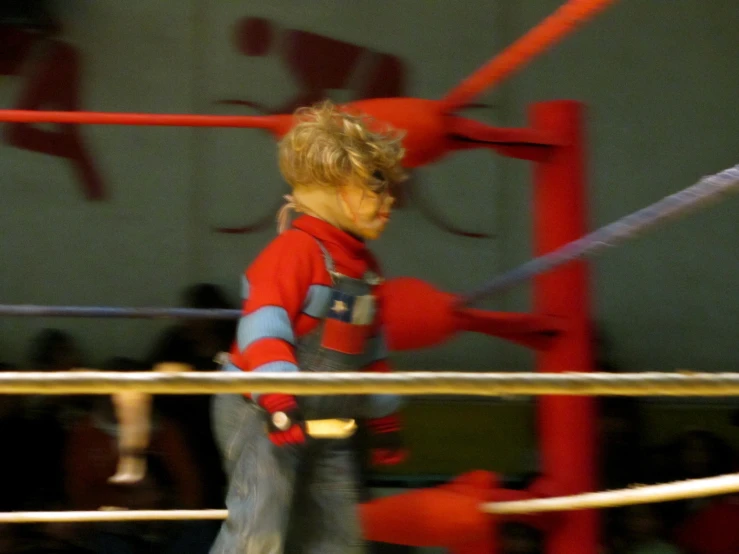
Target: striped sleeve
[(285, 280)]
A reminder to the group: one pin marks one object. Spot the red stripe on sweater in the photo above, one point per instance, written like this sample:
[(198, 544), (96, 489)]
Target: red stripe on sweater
[(268, 350)]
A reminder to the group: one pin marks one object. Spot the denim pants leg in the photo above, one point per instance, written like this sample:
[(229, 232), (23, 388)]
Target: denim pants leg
[(261, 481), (333, 514)]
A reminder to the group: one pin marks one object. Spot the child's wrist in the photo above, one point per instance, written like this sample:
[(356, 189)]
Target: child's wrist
[(274, 403)]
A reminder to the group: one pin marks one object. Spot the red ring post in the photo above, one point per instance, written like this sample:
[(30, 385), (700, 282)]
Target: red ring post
[(566, 423)]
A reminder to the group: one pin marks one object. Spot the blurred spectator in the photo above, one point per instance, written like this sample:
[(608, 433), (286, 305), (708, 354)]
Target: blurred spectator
[(44, 418), (692, 455), (640, 529), (172, 481), (699, 453), (620, 425), (517, 538), (197, 342), (40, 423), (54, 350), (621, 442), (713, 529), (11, 466)]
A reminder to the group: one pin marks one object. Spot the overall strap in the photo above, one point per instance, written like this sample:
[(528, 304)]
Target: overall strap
[(327, 259)]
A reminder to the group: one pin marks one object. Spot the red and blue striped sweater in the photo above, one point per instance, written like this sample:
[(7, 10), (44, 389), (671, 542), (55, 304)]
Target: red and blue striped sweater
[(286, 291)]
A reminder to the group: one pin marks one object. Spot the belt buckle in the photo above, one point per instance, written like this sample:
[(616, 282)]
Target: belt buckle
[(331, 428)]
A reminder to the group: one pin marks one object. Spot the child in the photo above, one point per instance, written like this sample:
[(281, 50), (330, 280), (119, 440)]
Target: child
[(310, 304)]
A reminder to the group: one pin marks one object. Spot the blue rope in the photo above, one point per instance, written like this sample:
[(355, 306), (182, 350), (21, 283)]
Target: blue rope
[(104, 311), (707, 189), (627, 227)]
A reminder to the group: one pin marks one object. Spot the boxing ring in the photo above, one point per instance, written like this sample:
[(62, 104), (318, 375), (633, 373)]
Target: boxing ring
[(554, 142)]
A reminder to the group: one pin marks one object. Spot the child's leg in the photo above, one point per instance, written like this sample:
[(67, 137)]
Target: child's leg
[(261, 482), (333, 527), (229, 414)]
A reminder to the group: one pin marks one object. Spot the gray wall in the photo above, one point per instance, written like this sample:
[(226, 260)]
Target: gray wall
[(659, 79)]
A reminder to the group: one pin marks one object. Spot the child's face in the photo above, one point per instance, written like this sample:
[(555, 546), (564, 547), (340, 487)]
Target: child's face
[(367, 212)]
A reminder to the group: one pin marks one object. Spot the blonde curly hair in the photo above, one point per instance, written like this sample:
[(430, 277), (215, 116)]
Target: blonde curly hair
[(327, 146)]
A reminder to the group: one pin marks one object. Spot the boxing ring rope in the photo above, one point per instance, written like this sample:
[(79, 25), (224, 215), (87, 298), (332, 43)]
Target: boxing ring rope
[(29, 310), (694, 488), (707, 189), (111, 515), (137, 119), (84, 382)]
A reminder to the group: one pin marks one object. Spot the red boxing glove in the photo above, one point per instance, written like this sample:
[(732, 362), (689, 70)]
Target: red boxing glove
[(386, 442), (285, 425)]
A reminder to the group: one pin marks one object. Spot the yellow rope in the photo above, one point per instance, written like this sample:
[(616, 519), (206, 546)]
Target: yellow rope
[(419, 383)]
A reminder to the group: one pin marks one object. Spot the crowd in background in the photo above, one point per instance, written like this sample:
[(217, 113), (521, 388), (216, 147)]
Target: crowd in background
[(58, 453)]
